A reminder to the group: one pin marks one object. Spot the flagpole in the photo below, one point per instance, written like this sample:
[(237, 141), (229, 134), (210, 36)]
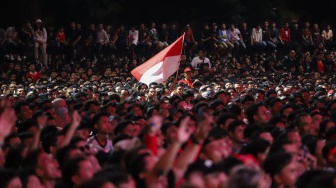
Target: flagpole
[(179, 63)]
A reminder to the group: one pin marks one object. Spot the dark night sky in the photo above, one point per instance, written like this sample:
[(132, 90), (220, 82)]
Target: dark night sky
[(61, 12)]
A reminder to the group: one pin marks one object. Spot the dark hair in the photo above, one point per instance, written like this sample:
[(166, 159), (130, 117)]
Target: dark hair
[(71, 168), (25, 173), (255, 147), (97, 117), (95, 182), (279, 143), (6, 176), (252, 110), (121, 126), (18, 105), (114, 174), (14, 158), (32, 158), (233, 125), (246, 98), (275, 162), (326, 149), (63, 155), (89, 103)]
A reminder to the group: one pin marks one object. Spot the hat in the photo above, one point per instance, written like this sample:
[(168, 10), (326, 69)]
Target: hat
[(38, 21), (187, 69)]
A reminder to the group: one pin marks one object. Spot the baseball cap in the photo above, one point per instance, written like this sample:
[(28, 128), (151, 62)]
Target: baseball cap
[(38, 21)]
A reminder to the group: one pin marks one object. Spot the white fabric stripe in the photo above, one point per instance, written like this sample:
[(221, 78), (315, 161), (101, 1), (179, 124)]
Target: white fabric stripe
[(162, 70)]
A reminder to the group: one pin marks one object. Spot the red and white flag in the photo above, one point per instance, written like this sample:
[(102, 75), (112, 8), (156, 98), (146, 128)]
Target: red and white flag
[(161, 66)]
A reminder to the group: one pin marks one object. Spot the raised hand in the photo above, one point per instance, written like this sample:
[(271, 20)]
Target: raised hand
[(7, 118), (155, 125), (183, 133), (76, 119), (42, 121)]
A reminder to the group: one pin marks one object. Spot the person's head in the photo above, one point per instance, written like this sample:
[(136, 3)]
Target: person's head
[(258, 114), (77, 170), (282, 168), (23, 111), (286, 109), (258, 148), (135, 109), (92, 106), (329, 153), (100, 182), (169, 132), (246, 101), (224, 120), (236, 131), (29, 179), (259, 95), (200, 54), (126, 127), (117, 176), (303, 122), (217, 146), (275, 105), (60, 106), (46, 167), (241, 176), (9, 179), (101, 122)]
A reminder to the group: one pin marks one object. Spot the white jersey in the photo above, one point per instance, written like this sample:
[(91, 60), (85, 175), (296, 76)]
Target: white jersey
[(107, 148)]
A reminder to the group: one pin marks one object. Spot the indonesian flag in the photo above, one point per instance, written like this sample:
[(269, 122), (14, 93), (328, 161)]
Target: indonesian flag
[(161, 66)]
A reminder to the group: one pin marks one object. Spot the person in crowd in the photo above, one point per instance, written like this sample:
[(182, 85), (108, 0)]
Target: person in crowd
[(261, 120)]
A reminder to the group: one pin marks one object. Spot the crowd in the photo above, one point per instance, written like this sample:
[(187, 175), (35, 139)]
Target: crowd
[(248, 108)]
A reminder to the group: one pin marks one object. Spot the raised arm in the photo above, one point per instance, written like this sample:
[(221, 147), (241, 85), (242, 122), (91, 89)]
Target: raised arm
[(166, 161), (41, 122), (76, 119)]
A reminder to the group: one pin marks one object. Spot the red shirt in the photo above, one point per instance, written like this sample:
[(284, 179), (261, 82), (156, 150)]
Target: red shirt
[(285, 35), (34, 76), (320, 66), (60, 36)]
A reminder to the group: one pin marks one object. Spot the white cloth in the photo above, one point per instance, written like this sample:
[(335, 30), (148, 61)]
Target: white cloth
[(92, 141), (196, 62), (257, 35), (134, 36), (234, 34), (41, 35)]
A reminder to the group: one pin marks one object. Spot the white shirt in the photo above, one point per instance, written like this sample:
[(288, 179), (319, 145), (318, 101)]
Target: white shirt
[(41, 35), (235, 34), (102, 37), (134, 36), (196, 62), (257, 35), (327, 35), (92, 141)]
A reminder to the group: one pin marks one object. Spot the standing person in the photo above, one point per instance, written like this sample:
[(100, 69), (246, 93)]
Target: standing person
[(40, 38), (102, 41), (133, 40)]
